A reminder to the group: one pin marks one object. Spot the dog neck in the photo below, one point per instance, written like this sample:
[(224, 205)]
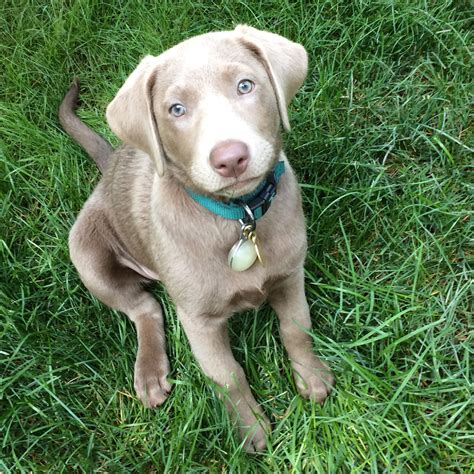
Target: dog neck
[(253, 205)]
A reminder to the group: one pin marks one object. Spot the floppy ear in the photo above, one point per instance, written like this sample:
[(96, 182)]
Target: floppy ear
[(130, 115), (286, 63)]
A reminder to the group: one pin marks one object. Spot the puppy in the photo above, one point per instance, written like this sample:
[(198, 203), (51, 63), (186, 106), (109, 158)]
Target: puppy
[(201, 198)]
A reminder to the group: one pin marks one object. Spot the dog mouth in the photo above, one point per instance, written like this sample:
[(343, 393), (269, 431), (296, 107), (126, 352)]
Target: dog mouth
[(239, 187)]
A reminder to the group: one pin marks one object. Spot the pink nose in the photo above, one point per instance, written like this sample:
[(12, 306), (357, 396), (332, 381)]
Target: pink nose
[(230, 158)]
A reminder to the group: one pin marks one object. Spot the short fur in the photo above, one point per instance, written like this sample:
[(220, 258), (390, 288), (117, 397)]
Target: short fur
[(140, 224)]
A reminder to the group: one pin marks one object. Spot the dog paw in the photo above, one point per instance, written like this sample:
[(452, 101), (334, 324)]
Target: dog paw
[(151, 385), (314, 380), (255, 436)]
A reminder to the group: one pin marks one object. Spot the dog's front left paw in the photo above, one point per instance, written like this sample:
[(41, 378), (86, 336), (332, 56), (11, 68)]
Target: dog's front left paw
[(151, 384), (314, 380)]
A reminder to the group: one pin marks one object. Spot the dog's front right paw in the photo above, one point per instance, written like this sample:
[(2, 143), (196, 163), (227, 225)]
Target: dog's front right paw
[(151, 384), (255, 436)]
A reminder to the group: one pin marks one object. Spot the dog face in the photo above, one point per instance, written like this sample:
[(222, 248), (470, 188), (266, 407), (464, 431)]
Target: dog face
[(218, 118), (209, 110)]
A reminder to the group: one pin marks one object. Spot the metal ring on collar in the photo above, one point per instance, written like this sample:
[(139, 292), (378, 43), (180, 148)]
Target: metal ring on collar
[(248, 211)]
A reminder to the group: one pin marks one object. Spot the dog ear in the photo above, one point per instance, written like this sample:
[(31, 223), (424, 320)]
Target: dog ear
[(130, 114), (286, 63)]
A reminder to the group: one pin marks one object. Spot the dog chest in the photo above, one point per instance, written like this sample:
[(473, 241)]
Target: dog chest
[(197, 275)]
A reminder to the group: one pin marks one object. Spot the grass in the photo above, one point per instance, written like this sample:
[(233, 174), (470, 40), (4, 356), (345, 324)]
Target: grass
[(381, 142)]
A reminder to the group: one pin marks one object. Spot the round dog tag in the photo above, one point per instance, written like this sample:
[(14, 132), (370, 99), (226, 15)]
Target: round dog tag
[(242, 255)]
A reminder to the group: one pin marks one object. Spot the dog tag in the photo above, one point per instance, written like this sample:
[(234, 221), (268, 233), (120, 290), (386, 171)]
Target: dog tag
[(242, 255), (253, 237)]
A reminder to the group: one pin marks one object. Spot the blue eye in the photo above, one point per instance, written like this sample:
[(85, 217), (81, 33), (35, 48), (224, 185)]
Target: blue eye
[(177, 110), (245, 86)]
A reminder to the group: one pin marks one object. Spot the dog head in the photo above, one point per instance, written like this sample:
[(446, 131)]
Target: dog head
[(209, 109)]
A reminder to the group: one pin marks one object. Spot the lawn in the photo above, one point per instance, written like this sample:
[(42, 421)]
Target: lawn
[(382, 143)]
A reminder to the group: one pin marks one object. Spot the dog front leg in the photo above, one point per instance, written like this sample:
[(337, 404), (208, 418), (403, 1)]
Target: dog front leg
[(313, 378), (210, 344)]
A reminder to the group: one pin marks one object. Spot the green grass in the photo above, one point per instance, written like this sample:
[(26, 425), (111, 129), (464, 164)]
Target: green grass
[(381, 142)]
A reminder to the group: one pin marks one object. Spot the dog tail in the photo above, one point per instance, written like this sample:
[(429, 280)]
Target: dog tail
[(96, 146)]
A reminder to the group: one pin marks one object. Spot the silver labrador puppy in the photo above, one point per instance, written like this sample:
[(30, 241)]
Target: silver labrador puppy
[(202, 198)]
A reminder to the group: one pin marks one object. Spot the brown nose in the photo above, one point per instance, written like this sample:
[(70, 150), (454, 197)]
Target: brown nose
[(230, 158)]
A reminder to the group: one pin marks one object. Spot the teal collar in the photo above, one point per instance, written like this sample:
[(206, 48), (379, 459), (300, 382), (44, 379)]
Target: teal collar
[(258, 201)]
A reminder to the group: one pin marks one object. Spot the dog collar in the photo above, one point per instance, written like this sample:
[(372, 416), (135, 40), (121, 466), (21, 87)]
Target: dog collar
[(258, 201)]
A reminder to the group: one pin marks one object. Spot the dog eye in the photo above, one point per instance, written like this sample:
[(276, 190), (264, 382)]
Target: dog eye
[(245, 86), (177, 110)]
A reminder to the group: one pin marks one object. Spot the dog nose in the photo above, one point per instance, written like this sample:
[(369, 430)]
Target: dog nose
[(230, 158)]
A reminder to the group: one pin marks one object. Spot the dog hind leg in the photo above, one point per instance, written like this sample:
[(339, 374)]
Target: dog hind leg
[(121, 288)]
